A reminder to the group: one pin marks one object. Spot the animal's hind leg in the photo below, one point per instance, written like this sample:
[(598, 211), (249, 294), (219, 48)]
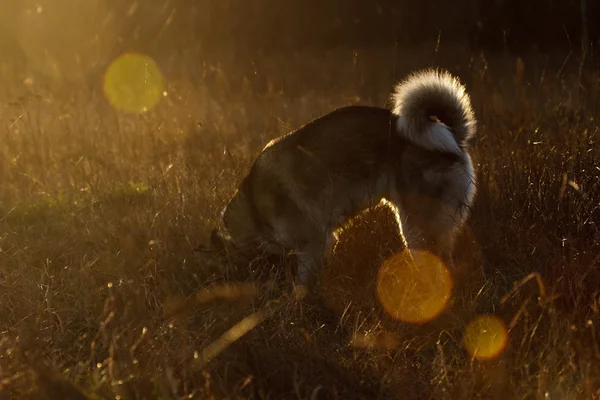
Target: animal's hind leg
[(430, 224), (435, 207), (397, 213)]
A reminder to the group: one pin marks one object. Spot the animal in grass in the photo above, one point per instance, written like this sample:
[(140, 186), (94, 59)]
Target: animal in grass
[(306, 184)]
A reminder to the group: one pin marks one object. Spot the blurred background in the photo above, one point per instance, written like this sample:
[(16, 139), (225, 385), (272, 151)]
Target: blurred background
[(53, 36)]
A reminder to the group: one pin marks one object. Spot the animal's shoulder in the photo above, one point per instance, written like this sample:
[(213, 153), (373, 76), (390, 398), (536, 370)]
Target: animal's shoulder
[(334, 122)]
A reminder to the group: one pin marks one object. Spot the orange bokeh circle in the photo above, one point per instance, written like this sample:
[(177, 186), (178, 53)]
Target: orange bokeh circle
[(414, 291)]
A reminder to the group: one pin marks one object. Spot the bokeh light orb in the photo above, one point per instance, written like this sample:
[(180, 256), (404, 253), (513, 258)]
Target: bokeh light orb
[(485, 337), (414, 292), (133, 83)]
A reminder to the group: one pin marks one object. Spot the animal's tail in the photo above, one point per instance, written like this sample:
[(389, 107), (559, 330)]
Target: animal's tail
[(435, 111)]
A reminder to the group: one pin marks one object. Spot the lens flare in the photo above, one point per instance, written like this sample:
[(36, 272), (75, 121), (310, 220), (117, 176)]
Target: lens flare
[(485, 337), (133, 83), (414, 292)]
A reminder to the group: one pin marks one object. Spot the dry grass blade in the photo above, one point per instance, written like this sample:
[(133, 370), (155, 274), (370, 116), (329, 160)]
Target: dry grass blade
[(241, 328), (380, 341), (233, 334), (518, 314), (231, 292), (517, 286)]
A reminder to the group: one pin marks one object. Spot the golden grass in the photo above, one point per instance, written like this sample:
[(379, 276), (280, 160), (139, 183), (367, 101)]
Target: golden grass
[(103, 297)]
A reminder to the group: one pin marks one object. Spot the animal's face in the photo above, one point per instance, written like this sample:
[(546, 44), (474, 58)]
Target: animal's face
[(240, 223)]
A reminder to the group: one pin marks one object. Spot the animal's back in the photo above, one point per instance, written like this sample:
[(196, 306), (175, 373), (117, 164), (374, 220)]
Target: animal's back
[(330, 168), (349, 144)]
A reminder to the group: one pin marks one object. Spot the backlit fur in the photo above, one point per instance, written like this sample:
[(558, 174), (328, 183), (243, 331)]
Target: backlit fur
[(308, 183)]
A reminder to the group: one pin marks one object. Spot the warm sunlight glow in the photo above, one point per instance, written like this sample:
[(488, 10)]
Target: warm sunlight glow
[(65, 39), (414, 292), (485, 337), (133, 83)]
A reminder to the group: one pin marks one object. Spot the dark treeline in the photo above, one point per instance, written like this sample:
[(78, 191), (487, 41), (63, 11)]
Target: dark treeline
[(237, 30), (513, 25)]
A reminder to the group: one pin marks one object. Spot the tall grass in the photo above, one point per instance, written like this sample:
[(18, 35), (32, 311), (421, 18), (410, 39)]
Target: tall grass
[(102, 296)]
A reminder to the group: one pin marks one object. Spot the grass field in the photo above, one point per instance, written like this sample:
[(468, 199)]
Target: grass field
[(102, 296)]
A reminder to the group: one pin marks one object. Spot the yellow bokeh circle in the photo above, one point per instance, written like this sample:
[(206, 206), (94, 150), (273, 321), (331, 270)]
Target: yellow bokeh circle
[(133, 83), (485, 337), (416, 290)]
